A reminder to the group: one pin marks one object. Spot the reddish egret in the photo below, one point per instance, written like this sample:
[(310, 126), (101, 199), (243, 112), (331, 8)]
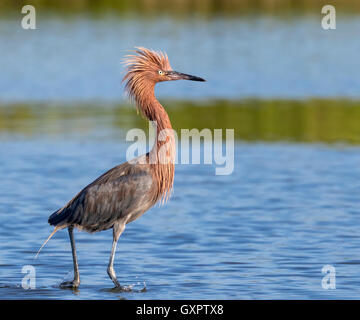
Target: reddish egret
[(127, 191)]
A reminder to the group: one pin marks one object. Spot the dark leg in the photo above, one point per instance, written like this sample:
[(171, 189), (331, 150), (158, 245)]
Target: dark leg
[(74, 283), (117, 231)]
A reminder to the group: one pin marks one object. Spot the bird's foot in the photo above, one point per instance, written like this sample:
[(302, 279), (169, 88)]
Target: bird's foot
[(119, 288), (113, 278), (70, 284)]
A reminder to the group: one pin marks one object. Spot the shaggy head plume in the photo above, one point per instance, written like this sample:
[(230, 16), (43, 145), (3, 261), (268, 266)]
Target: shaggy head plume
[(144, 70)]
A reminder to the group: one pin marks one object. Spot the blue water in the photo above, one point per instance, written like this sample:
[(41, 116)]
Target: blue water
[(264, 232), (80, 58)]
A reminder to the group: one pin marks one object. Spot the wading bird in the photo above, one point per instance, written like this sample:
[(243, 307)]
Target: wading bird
[(127, 191)]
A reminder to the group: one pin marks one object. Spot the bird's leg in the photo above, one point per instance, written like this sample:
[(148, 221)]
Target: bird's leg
[(117, 231), (74, 283)]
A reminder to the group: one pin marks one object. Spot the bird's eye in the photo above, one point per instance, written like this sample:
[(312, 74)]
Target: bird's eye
[(161, 72)]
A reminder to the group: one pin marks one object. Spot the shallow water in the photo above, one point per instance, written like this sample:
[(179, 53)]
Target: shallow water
[(265, 231)]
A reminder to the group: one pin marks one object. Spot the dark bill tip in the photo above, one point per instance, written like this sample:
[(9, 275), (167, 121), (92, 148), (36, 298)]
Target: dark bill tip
[(174, 75), (193, 78)]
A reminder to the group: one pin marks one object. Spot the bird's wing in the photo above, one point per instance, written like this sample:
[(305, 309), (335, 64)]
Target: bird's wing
[(120, 192)]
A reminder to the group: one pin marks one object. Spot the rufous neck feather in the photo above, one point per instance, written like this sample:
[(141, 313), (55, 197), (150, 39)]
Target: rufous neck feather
[(140, 84)]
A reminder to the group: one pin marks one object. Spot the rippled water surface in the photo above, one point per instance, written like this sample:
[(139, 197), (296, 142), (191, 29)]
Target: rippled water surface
[(264, 232)]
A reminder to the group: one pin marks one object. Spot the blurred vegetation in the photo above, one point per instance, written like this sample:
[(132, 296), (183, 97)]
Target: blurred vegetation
[(328, 121), (200, 8)]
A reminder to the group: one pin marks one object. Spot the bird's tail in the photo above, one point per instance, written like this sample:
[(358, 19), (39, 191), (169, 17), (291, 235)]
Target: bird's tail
[(50, 236)]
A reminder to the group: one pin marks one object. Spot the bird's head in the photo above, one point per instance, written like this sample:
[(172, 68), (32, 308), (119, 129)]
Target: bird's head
[(147, 67)]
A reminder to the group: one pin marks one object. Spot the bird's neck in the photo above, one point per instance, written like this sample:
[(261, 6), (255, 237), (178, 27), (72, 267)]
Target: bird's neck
[(162, 155)]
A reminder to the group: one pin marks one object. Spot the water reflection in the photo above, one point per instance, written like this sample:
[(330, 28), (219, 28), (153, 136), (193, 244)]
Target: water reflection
[(183, 8), (326, 121)]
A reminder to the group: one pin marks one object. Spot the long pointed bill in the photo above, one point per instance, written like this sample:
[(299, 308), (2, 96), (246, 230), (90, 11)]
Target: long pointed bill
[(174, 75)]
